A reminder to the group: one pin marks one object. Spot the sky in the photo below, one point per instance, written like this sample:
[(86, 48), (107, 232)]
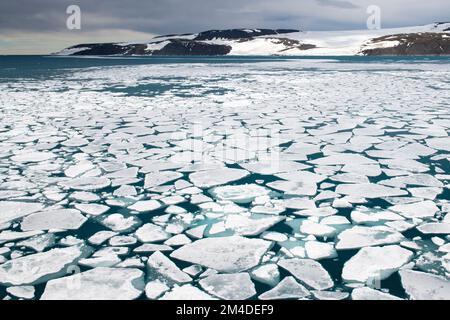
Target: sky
[(40, 26)]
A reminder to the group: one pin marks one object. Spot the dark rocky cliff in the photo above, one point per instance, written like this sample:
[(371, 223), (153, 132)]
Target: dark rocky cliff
[(412, 44)]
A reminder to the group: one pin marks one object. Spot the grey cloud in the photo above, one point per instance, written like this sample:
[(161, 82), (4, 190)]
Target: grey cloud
[(45, 18), (337, 4)]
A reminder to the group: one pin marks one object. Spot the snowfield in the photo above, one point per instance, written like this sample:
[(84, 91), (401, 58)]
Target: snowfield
[(318, 178)]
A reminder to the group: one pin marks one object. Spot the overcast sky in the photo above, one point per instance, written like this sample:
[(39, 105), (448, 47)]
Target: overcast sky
[(39, 26)]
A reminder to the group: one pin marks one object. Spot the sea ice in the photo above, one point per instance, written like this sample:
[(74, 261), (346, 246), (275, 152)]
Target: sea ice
[(375, 263), (97, 284), (266, 273), (92, 209), (40, 267), (86, 183), (65, 219), (161, 266), (359, 236), (151, 233), (145, 206), (236, 286), (212, 178), (288, 288), (366, 293), (425, 286), (309, 272), (187, 292), (421, 209), (248, 226), (158, 178), (240, 193), (369, 190), (225, 254), (12, 210)]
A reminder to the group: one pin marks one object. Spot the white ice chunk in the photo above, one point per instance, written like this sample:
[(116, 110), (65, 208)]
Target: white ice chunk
[(358, 237), (40, 267), (288, 288), (12, 210), (369, 190), (225, 254), (240, 193), (236, 286), (375, 263), (161, 266), (366, 293), (187, 292), (212, 178), (425, 286), (266, 273), (65, 219), (97, 284), (309, 272), (150, 232)]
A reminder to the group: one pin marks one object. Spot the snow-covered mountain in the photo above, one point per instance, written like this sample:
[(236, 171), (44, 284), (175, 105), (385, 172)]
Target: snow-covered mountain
[(432, 39)]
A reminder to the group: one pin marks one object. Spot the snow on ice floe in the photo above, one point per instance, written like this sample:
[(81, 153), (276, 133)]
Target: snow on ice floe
[(224, 254), (369, 190), (266, 273), (309, 272), (87, 183), (375, 263), (187, 292), (29, 157), (240, 193), (212, 178), (288, 288), (425, 286), (66, 219), (247, 226), (97, 284), (434, 228), (41, 267), (366, 293), (12, 210), (151, 233), (360, 236), (235, 286), (161, 266), (22, 292)]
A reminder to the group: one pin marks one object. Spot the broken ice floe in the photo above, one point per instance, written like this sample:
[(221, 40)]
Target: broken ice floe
[(271, 198)]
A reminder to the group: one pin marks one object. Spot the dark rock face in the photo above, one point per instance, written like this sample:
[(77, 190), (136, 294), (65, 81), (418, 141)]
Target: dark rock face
[(182, 47), (100, 49), (413, 44), (291, 44), (240, 33), (174, 47)]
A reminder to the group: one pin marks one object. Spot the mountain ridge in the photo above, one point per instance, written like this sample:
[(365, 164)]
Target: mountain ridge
[(432, 39)]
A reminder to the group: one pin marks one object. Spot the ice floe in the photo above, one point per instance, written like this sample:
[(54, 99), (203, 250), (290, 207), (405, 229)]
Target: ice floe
[(425, 286), (212, 178), (240, 193), (235, 286), (161, 266), (288, 288), (359, 236), (309, 272), (97, 284), (225, 254), (41, 267), (375, 263), (66, 219)]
